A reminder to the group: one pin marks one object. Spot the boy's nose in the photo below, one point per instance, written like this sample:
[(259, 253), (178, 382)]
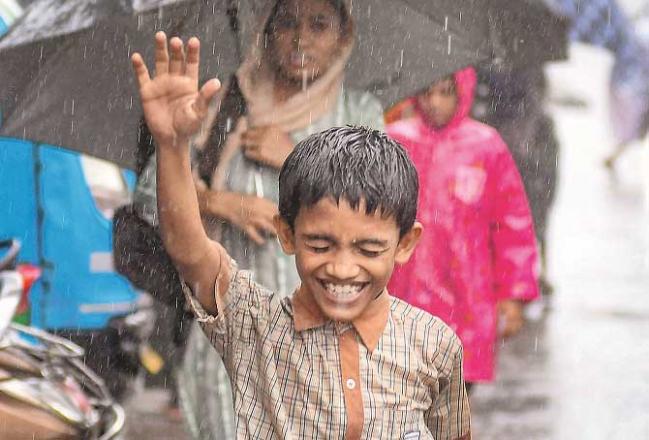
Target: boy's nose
[(342, 270)]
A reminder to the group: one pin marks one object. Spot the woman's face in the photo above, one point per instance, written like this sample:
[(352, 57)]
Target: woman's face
[(304, 38)]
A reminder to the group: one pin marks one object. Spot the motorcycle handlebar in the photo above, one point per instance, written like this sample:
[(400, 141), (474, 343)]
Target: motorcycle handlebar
[(119, 419), (52, 345)]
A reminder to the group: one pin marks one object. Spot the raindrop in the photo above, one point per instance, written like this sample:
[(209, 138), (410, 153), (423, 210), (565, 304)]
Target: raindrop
[(446, 23), (449, 44)]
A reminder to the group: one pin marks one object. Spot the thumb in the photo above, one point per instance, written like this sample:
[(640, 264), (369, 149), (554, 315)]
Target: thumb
[(205, 95)]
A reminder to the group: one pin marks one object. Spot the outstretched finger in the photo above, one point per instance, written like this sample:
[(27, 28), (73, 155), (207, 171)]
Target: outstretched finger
[(161, 54), (205, 95), (193, 58), (176, 65), (141, 72)]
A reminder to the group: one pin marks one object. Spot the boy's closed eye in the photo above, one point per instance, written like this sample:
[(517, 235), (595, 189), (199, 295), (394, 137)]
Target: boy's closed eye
[(319, 249), (318, 244), (371, 253), (370, 248)]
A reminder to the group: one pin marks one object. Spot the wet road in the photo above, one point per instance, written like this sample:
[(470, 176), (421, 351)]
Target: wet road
[(580, 370)]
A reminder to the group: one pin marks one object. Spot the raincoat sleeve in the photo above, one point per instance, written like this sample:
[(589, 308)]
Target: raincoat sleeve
[(512, 239), (450, 417)]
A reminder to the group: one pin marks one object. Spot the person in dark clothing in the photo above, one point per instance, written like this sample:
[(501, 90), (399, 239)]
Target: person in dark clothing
[(513, 103), (511, 95)]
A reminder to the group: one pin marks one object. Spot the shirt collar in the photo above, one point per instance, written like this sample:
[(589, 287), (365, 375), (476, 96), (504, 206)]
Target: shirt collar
[(369, 325)]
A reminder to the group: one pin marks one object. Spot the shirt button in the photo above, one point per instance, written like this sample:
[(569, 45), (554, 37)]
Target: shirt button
[(351, 384)]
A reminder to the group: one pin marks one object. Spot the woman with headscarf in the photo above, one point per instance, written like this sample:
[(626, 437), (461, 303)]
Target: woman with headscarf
[(289, 86)]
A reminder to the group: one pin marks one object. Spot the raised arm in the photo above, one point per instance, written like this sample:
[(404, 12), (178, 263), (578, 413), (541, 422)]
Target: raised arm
[(174, 108)]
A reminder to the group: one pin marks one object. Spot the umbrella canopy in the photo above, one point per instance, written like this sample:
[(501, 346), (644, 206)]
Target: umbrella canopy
[(401, 45), (527, 32), (38, 34), (67, 78)]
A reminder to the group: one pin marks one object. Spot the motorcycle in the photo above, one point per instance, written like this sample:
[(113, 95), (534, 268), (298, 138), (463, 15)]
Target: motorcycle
[(46, 390)]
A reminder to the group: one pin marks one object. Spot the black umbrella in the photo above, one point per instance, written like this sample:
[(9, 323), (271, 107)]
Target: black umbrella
[(66, 71), (527, 32), (401, 45), (39, 33)]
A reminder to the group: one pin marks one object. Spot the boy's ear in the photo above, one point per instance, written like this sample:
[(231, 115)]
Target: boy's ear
[(408, 243), (285, 235)]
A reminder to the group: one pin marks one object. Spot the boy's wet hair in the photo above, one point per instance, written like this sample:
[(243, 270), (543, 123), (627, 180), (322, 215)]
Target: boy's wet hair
[(356, 164)]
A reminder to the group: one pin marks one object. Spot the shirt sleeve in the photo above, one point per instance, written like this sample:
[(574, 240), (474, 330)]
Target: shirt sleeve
[(240, 305), (513, 241), (449, 418)]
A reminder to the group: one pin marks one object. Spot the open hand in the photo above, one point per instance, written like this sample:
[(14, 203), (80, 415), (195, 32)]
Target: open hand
[(268, 145), (174, 107)]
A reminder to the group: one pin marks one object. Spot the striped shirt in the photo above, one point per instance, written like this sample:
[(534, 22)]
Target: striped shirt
[(393, 373)]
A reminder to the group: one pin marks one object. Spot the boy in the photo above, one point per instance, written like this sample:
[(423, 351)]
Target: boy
[(477, 264), (341, 359)]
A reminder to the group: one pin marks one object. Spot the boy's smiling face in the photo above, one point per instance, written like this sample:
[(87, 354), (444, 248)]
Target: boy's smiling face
[(345, 257)]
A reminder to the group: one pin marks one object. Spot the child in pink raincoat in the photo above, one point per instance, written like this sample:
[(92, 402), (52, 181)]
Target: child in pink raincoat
[(477, 259)]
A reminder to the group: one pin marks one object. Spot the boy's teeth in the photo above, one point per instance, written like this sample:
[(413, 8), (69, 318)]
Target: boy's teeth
[(343, 290)]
